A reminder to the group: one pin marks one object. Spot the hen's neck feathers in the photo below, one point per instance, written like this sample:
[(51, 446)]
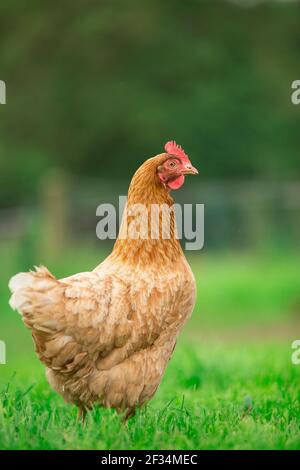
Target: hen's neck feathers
[(145, 188)]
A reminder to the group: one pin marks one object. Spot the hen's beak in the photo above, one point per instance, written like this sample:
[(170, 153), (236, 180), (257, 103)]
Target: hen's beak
[(190, 170)]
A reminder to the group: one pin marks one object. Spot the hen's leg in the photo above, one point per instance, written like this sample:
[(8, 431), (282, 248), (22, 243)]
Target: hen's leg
[(129, 413), (81, 413)]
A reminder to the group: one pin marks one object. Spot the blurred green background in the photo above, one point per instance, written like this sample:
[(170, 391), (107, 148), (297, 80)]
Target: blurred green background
[(96, 87)]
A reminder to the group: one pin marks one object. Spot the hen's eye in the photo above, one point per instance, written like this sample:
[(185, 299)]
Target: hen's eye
[(172, 164)]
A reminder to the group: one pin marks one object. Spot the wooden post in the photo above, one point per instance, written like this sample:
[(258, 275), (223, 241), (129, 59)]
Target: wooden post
[(54, 208)]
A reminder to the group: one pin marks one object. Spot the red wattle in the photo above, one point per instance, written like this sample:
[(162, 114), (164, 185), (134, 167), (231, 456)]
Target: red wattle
[(176, 183)]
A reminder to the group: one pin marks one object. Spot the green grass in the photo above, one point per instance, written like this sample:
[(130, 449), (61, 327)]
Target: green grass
[(239, 392), (229, 397), (236, 289)]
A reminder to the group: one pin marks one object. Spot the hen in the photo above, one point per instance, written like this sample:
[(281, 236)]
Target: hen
[(106, 336)]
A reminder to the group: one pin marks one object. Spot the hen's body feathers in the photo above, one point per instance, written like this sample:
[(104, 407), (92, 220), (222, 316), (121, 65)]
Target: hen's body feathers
[(106, 336)]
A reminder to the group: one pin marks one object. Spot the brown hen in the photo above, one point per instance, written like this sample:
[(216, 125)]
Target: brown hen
[(106, 336)]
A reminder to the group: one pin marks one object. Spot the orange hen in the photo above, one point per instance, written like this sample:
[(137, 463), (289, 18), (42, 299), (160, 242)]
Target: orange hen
[(107, 335)]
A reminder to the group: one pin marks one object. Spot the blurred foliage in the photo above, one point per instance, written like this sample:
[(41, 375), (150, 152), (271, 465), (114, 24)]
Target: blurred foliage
[(97, 86)]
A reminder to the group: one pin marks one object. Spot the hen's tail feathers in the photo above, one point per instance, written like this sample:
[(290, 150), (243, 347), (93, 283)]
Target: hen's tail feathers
[(22, 285), (37, 295), (31, 288)]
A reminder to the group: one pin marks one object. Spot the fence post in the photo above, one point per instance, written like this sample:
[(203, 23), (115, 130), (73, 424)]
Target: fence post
[(54, 207)]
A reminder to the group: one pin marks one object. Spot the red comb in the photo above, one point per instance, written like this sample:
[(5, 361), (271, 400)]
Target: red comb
[(174, 149)]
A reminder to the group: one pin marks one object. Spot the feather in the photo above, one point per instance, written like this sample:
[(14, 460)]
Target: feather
[(106, 336)]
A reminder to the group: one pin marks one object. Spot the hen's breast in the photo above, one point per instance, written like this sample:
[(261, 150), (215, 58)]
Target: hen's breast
[(158, 300)]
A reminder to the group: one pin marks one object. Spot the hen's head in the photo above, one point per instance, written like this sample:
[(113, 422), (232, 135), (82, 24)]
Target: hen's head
[(176, 164)]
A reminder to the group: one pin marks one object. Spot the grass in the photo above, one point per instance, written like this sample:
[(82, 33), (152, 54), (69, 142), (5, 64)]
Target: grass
[(229, 397), (237, 393)]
